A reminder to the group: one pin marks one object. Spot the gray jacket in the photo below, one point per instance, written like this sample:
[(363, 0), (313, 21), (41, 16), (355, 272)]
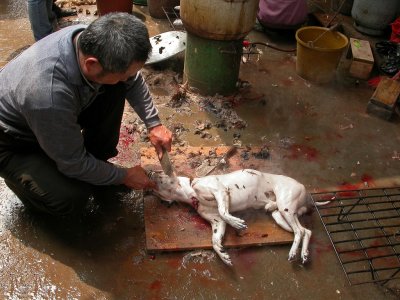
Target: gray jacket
[(42, 93)]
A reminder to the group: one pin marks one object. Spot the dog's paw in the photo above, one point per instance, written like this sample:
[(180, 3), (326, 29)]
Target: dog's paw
[(226, 259), (222, 254), (305, 257), (292, 255), (238, 223)]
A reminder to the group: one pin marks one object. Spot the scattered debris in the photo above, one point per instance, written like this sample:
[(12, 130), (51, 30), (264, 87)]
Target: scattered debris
[(344, 127), (396, 155), (201, 126), (223, 109), (245, 155), (264, 153), (177, 130), (286, 142), (69, 3), (179, 98), (198, 257)]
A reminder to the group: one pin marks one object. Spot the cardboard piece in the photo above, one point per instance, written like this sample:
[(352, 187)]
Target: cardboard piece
[(362, 58)]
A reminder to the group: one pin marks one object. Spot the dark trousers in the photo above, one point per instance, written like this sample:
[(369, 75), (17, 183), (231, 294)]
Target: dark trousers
[(34, 177)]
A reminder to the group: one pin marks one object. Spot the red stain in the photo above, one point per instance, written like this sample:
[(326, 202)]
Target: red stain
[(155, 285), (319, 247), (298, 151), (373, 252), (199, 222), (195, 203), (390, 261), (245, 259), (174, 262), (348, 187), (368, 179), (126, 139), (326, 197)]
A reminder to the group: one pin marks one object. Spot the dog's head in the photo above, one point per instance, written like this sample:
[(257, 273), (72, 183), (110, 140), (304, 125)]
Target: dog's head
[(171, 188)]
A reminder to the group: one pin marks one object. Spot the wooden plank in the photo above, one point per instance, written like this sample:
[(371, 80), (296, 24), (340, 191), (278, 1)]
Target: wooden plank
[(387, 93), (179, 227)]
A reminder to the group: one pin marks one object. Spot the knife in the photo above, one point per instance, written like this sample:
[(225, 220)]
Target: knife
[(166, 164)]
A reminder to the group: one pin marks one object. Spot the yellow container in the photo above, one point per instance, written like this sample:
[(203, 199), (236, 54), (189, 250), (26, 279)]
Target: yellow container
[(317, 61)]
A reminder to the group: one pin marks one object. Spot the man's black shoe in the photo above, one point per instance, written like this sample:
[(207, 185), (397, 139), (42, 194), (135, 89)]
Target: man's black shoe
[(63, 12)]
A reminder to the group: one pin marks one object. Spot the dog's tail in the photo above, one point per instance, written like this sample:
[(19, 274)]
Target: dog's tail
[(311, 202), (319, 203)]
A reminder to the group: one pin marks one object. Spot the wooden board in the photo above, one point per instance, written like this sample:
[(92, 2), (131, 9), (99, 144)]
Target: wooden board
[(387, 93), (179, 227)]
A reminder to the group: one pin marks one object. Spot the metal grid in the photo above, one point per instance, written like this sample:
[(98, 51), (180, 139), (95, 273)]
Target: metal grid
[(364, 228)]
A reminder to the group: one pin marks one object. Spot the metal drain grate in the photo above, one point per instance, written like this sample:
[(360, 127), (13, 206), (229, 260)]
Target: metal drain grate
[(364, 228)]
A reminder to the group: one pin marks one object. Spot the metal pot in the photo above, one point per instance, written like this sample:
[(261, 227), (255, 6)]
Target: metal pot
[(372, 17), (219, 19)]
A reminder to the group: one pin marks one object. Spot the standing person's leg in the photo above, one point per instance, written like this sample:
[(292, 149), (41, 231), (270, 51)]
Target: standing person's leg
[(50, 13), (39, 18)]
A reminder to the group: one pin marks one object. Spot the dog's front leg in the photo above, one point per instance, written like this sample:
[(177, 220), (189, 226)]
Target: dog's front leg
[(218, 227), (223, 197)]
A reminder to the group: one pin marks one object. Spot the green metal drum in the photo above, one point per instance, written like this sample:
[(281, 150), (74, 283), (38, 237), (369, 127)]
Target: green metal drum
[(211, 66)]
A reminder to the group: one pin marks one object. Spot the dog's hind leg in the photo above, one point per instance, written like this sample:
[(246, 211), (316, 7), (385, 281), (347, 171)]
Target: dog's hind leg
[(223, 197), (306, 241), (298, 231), (218, 231), (281, 221)]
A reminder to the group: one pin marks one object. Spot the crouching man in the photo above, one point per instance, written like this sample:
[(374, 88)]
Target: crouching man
[(61, 106)]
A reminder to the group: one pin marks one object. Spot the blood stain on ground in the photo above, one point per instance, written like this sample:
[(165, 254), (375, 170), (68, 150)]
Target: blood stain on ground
[(156, 285), (298, 151)]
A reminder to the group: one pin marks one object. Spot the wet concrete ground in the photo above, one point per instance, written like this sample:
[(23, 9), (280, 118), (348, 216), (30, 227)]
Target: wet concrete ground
[(319, 135)]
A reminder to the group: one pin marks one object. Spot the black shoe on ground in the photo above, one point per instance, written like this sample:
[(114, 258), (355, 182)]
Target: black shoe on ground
[(63, 12)]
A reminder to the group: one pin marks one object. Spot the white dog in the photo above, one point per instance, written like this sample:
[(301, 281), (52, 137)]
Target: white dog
[(216, 196)]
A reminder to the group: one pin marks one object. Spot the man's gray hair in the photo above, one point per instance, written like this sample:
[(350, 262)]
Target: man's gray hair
[(116, 40)]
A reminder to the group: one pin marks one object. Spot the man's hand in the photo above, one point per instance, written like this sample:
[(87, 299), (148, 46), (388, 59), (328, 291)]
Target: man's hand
[(161, 138), (137, 179)]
